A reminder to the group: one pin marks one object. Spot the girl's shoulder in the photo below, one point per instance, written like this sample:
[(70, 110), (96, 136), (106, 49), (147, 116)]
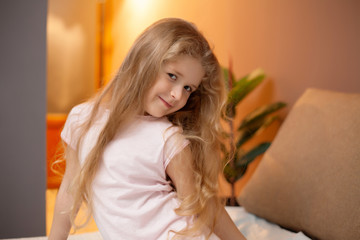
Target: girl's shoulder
[(81, 109), (75, 119), (81, 112)]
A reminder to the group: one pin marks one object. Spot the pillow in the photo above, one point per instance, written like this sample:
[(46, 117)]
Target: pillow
[(309, 179)]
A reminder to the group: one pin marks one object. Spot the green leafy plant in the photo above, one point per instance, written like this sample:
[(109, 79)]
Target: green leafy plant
[(237, 159)]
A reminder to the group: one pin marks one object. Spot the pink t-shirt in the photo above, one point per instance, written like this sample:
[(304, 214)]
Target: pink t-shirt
[(132, 197)]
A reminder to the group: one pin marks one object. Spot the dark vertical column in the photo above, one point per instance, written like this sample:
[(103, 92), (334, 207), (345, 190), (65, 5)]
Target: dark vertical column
[(22, 117)]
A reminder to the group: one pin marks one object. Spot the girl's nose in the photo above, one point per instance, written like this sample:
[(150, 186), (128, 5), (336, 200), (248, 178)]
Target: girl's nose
[(176, 93)]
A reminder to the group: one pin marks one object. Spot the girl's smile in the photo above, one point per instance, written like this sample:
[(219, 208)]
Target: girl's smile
[(176, 80), (166, 103)]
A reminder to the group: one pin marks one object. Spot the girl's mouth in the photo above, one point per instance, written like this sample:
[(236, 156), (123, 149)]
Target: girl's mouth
[(165, 103)]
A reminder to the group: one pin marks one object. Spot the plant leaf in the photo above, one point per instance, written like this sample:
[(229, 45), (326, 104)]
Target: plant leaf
[(245, 135), (265, 123), (240, 172), (229, 78), (260, 113), (250, 156), (229, 173), (241, 81), (256, 128), (243, 87)]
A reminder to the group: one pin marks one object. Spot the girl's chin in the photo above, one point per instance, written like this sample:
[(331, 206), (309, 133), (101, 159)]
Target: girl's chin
[(155, 115)]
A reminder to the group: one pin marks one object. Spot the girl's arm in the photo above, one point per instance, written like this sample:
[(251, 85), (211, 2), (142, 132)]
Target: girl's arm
[(225, 227), (180, 172), (61, 224)]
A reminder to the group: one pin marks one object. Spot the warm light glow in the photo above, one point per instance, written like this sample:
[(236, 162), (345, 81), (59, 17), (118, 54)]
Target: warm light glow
[(132, 17), (66, 49), (139, 7)]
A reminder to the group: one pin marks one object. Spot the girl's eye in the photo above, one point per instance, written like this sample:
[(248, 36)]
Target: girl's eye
[(188, 88), (172, 76)]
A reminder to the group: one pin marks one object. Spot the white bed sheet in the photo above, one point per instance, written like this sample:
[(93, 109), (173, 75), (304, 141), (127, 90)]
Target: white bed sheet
[(253, 228)]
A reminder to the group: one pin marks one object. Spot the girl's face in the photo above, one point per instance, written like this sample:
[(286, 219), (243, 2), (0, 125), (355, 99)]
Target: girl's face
[(175, 82)]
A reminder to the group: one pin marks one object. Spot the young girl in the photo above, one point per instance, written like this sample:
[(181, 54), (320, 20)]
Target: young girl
[(144, 153)]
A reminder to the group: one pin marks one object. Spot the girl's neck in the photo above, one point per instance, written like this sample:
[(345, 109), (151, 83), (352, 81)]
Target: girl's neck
[(147, 116)]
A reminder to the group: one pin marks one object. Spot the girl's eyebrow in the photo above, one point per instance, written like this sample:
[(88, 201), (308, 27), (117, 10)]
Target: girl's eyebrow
[(178, 73)]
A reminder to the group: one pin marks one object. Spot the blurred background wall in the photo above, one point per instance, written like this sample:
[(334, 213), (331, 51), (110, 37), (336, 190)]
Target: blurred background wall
[(299, 44), (22, 117), (71, 52)]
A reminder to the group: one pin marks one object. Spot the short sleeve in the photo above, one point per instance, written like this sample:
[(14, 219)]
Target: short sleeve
[(71, 131), (175, 142)]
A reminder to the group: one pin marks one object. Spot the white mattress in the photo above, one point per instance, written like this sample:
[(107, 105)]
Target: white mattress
[(253, 228)]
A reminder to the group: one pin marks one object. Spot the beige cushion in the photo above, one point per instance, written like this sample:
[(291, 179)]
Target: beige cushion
[(309, 179)]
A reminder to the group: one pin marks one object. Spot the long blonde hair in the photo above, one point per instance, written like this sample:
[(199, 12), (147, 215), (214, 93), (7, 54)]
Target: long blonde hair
[(199, 118)]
